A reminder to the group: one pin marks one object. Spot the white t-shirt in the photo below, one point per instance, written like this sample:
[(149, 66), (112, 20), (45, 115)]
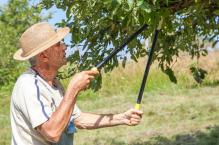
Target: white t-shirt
[(33, 101)]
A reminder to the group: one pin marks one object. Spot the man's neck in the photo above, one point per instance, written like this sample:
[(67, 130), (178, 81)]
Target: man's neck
[(47, 73)]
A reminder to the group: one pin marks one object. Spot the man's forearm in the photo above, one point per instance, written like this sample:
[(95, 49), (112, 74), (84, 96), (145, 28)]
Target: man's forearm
[(53, 128), (93, 121)]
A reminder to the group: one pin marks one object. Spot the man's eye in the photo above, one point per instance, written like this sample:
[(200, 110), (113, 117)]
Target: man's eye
[(62, 41)]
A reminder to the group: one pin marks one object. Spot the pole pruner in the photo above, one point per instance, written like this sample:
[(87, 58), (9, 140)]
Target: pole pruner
[(141, 91)]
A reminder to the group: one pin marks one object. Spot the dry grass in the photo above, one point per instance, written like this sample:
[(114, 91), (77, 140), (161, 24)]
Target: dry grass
[(210, 63)]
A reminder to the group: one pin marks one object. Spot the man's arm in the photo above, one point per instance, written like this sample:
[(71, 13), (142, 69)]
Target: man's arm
[(92, 121), (53, 128)]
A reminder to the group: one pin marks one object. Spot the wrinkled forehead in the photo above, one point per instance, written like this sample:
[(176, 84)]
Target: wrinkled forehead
[(53, 46)]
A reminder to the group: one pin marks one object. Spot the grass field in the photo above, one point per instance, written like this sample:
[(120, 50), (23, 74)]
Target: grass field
[(182, 114), (186, 117)]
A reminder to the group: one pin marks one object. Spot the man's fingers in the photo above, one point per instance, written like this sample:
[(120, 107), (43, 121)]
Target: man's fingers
[(136, 116), (91, 72), (134, 121), (90, 77), (136, 111), (133, 116)]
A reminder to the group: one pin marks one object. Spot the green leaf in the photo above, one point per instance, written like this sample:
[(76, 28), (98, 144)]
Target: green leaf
[(216, 12), (145, 6), (198, 74), (105, 24), (140, 2), (119, 1), (130, 3), (167, 2), (96, 83), (134, 58), (171, 75), (124, 62), (214, 43)]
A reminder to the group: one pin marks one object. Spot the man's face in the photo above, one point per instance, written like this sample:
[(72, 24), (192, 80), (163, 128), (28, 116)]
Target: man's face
[(56, 55)]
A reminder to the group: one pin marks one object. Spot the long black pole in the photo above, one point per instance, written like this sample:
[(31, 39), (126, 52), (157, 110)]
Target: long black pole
[(115, 51), (138, 102)]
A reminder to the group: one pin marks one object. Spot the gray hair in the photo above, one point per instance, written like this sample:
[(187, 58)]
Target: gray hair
[(32, 61)]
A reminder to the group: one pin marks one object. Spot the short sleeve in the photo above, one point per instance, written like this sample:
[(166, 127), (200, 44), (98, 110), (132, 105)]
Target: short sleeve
[(36, 107)]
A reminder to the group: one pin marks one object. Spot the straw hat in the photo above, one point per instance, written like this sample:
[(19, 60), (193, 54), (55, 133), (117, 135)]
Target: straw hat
[(38, 38)]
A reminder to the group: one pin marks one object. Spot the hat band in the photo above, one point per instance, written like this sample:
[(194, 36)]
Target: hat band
[(40, 46)]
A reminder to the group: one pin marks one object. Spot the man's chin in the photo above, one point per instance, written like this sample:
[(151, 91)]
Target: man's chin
[(64, 61)]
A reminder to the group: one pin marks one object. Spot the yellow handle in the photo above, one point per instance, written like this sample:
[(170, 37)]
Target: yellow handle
[(137, 106), (94, 68)]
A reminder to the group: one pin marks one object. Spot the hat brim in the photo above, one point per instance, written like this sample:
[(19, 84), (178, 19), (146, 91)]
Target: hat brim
[(61, 33)]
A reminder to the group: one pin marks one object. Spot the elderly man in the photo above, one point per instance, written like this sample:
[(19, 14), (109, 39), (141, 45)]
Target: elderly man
[(42, 113)]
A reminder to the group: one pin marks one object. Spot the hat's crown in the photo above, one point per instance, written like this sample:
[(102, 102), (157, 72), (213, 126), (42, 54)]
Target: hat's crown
[(36, 36)]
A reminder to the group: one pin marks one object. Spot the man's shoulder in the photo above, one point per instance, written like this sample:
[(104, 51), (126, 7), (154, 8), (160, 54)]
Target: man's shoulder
[(26, 78), (24, 85)]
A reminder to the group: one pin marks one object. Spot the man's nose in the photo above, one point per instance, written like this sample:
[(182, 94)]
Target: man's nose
[(64, 46)]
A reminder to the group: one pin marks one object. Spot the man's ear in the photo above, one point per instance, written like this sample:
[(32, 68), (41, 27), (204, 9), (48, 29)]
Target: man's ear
[(43, 57)]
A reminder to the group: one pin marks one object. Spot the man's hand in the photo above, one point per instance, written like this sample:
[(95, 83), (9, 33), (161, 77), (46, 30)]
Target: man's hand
[(81, 81), (132, 117)]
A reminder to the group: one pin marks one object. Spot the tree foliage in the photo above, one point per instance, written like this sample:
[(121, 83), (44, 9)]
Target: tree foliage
[(15, 17), (99, 26)]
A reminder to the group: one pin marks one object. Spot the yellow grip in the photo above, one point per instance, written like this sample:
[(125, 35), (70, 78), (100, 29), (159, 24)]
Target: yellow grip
[(94, 68), (137, 106)]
